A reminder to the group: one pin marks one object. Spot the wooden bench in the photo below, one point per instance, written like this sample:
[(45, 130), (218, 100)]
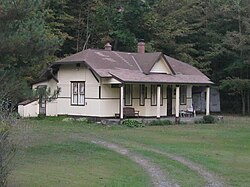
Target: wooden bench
[(128, 112)]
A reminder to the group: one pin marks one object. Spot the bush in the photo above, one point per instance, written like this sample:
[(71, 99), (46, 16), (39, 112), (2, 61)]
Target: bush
[(7, 152), (132, 123), (160, 122), (209, 119), (199, 121)]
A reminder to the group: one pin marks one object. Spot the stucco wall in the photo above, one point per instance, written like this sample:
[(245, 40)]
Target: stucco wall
[(68, 73)]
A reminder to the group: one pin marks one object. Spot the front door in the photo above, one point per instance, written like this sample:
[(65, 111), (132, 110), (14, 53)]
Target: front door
[(41, 91), (169, 101), (42, 105)]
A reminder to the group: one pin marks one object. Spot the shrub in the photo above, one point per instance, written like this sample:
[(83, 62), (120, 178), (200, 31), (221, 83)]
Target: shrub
[(160, 122), (132, 123), (209, 119), (199, 121)]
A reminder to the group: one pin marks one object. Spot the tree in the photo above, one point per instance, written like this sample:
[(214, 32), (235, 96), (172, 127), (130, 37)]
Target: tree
[(237, 86), (27, 43)]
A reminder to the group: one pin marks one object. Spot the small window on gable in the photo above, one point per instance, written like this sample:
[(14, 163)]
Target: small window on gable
[(78, 93), (183, 95)]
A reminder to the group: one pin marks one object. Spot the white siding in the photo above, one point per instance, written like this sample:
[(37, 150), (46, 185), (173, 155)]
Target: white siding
[(68, 73), (161, 67), (29, 110)]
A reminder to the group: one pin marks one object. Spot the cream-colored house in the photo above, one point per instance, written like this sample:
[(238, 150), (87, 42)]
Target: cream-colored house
[(101, 83)]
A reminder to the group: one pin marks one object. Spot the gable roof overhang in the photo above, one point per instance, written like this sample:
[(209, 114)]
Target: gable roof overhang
[(165, 60)]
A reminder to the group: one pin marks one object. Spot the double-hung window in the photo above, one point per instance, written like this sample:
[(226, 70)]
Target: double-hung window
[(128, 94), (183, 95), (143, 94), (154, 95), (78, 93)]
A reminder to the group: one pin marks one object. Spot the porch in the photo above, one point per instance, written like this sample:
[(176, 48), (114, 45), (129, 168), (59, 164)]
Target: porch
[(158, 100)]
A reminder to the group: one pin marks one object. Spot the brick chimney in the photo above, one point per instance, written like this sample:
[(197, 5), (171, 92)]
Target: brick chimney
[(141, 46), (108, 47)]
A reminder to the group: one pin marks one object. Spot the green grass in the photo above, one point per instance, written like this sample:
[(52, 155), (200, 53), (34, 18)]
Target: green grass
[(57, 153), (76, 164)]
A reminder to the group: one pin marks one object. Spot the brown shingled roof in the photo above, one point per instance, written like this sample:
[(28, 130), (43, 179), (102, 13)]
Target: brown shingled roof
[(135, 67)]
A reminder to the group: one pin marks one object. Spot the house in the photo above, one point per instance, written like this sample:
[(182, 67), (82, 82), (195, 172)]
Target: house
[(101, 83)]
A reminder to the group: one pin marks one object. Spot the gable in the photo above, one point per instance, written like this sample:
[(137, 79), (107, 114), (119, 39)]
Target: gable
[(161, 66)]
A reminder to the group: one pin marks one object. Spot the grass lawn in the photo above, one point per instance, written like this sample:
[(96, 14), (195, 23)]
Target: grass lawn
[(57, 153)]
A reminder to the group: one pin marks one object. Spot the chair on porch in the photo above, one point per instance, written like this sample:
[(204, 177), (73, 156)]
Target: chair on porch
[(190, 112)]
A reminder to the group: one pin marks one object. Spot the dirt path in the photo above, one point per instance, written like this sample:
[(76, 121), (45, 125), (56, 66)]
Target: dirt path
[(211, 179), (158, 177)]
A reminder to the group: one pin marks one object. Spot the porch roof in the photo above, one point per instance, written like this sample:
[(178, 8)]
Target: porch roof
[(138, 77)]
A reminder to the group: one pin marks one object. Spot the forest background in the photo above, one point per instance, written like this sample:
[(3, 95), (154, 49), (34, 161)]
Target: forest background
[(212, 35)]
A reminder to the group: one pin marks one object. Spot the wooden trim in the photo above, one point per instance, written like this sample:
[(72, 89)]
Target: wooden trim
[(96, 78), (100, 92)]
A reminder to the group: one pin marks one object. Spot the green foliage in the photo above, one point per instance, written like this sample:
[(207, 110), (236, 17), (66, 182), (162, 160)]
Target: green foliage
[(209, 119), (214, 36), (7, 148), (132, 123), (237, 86), (160, 122), (28, 42), (199, 121)]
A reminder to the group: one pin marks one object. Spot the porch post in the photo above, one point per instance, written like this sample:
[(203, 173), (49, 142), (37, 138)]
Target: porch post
[(177, 103), (158, 114), (121, 101), (207, 101)]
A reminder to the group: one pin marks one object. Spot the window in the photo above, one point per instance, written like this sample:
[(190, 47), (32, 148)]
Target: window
[(154, 95), (128, 95), (161, 96), (183, 95), (143, 94), (78, 93)]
